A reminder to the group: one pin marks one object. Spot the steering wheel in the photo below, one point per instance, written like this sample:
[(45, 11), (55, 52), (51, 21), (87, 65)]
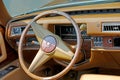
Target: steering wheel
[(51, 46)]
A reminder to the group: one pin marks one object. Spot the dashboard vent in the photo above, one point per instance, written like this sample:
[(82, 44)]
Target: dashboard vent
[(98, 11), (94, 11), (78, 12), (111, 27)]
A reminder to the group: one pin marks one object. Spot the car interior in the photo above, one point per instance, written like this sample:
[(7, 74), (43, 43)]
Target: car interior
[(62, 40)]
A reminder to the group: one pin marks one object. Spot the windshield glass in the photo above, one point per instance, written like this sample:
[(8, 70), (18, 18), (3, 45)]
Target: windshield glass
[(19, 7)]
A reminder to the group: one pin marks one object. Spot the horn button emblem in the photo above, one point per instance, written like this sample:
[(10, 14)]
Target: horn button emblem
[(49, 44)]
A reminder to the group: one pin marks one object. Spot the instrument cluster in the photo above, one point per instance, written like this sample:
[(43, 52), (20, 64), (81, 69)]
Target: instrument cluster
[(67, 32)]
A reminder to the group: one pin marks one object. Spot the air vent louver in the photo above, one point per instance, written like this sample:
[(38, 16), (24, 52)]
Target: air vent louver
[(79, 12), (111, 27)]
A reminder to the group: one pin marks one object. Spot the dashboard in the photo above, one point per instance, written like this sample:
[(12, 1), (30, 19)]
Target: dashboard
[(100, 34)]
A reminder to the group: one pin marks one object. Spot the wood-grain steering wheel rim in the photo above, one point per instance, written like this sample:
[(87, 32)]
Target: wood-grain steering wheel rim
[(72, 62)]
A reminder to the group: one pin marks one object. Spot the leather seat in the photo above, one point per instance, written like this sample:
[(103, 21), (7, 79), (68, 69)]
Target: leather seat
[(99, 77)]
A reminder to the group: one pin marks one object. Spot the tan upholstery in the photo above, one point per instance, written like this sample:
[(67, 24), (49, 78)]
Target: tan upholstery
[(99, 77), (17, 74)]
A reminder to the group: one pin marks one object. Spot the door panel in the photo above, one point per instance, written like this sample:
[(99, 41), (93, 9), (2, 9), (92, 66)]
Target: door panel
[(3, 54)]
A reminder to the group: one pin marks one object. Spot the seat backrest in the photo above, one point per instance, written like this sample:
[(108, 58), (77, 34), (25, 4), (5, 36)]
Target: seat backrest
[(99, 77)]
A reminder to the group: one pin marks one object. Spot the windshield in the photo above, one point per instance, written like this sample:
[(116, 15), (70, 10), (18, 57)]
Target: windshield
[(19, 7)]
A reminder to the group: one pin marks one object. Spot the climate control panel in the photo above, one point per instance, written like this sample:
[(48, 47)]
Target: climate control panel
[(105, 41), (98, 41)]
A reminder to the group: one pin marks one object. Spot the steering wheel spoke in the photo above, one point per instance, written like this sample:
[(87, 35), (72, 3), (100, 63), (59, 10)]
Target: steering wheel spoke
[(40, 58), (63, 51), (40, 31)]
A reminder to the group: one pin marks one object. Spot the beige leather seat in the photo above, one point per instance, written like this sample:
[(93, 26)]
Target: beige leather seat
[(99, 77)]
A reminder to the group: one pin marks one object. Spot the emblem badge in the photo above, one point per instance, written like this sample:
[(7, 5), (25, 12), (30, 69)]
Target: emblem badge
[(49, 44)]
